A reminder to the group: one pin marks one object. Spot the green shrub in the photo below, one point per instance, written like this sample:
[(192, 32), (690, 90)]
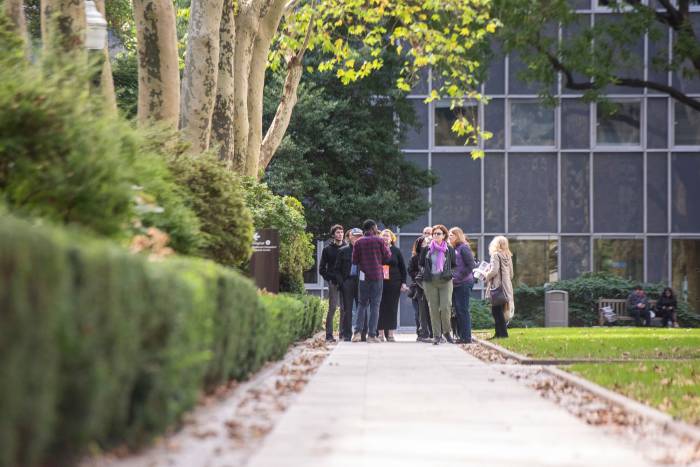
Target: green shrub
[(286, 214), (63, 160), (216, 195), (99, 346), (584, 293)]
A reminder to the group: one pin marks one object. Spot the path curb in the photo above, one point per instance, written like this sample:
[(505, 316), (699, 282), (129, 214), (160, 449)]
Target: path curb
[(649, 413)]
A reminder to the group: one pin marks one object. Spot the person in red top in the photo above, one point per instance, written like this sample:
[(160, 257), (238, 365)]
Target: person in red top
[(369, 254)]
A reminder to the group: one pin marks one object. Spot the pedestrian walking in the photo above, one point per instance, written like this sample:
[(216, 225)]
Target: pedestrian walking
[(462, 283), (346, 277), (328, 257), (424, 330), (394, 283), (438, 261), (499, 285), (369, 254)]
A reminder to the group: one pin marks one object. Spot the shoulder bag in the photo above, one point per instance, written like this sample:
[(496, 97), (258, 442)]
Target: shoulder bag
[(498, 295)]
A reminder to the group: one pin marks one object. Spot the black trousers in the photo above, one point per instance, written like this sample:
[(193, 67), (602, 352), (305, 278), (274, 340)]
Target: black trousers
[(639, 314), (348, 294), (499, 320)]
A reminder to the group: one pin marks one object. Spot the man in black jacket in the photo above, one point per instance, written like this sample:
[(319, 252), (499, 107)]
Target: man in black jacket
[(346, 276), (328, 257)]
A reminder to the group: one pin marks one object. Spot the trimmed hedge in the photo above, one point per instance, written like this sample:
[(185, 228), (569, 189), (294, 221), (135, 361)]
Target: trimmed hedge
[(99, 346)]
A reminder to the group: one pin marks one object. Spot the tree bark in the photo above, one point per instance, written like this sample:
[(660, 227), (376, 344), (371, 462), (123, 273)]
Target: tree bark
[(63, 24), (106, 79), (256, 82), (247, 23), (222, 121), (159, 78), (201, 69), (14, 9)]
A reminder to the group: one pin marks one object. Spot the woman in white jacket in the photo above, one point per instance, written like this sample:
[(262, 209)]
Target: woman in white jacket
[(501, 275)]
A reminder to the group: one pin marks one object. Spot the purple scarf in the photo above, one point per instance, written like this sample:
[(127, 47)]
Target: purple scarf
[(440, 250)]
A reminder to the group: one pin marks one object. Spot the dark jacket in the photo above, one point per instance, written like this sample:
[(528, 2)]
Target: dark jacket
[(462, 273), (328, 257), (343, 264), (397, 266), (634, 299), (427, 265), (666, 304)]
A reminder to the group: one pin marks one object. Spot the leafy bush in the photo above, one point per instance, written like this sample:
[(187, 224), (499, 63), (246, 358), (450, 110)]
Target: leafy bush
[(125, 74), (63, 160), (584, 293), (99, 346), (286, 214), (215, 193)]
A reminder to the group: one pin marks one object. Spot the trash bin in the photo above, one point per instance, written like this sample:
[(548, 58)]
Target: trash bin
[(556, 308)]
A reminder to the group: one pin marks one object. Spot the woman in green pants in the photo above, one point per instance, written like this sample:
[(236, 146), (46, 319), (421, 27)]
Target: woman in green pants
[(437, 261)]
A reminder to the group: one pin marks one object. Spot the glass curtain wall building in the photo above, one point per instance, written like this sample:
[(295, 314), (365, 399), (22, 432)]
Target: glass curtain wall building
[(573, 189)]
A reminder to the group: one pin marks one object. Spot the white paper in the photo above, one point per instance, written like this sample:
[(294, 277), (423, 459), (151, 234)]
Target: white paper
[(362, 275)]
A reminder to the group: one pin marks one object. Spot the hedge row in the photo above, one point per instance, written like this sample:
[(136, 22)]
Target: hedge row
[(99, 346), (584, 292)]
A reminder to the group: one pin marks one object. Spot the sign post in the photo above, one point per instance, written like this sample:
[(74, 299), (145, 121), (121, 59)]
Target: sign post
[(265, 262)]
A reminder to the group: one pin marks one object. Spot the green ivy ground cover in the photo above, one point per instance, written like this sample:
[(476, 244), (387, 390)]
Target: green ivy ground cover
[(672, 387), (597, 343)]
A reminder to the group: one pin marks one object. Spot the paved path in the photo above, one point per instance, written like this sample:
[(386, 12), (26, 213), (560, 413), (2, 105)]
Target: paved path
[(410, 404)]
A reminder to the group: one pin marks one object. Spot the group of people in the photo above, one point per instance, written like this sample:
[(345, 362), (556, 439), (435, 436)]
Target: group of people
[(666, 307), (364, 267)]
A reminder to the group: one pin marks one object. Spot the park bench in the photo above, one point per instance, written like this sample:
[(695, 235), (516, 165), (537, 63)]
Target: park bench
[(619, 306)]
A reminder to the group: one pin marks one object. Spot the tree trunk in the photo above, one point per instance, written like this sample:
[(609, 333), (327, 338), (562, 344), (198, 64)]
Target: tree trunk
[(247, 24), (106, 79), (279, 124), (63, 24), (256, 81), (159, 78), (14, 9), (201, 68), (222, 121)]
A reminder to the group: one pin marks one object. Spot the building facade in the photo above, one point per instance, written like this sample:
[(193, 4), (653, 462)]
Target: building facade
[(573, 188)]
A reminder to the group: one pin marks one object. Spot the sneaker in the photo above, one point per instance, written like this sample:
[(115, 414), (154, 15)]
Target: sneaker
[(373, 340), (391, 339), (330, 339), (448, 338), (381, 337), (356, 337), (436, 341)]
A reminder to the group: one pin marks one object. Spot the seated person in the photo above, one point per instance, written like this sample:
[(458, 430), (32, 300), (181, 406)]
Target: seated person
[(638, 306), (666, 308)]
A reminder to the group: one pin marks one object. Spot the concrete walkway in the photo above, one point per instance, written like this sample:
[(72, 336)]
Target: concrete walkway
[(412, 404)]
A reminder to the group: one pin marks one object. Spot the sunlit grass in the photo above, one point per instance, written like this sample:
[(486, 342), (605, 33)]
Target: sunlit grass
[(672, 387), (601, 343)]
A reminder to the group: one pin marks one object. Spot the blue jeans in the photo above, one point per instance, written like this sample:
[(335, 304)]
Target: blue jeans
[(370, 298), (460, 300)]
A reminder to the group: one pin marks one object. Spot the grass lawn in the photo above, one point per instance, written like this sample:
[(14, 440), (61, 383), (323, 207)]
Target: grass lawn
[(672, 387), (614, 343)]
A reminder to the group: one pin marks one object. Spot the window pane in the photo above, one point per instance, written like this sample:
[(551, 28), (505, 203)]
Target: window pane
[(457, 195), (420, 161), (630, 60), (445, 117), (657, 259), (575, 256), (573, 37), (494, 193), (620, 127), (686, 192), (532, 124), (617, 192), (575, 189), (416, 137), (495, 80), (515, 84), (622, 257), (658, 59), (657, 123), (686, 271), (575, 124), (534, 262), (406, 317), (532, 193), (494, 114), (687, 125), (657, 193)]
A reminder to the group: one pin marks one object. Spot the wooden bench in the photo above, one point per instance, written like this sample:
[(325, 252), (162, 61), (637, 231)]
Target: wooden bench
[(619, 306)]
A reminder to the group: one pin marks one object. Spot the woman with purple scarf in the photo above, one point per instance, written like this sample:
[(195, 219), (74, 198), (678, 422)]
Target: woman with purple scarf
[(438, 261)]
